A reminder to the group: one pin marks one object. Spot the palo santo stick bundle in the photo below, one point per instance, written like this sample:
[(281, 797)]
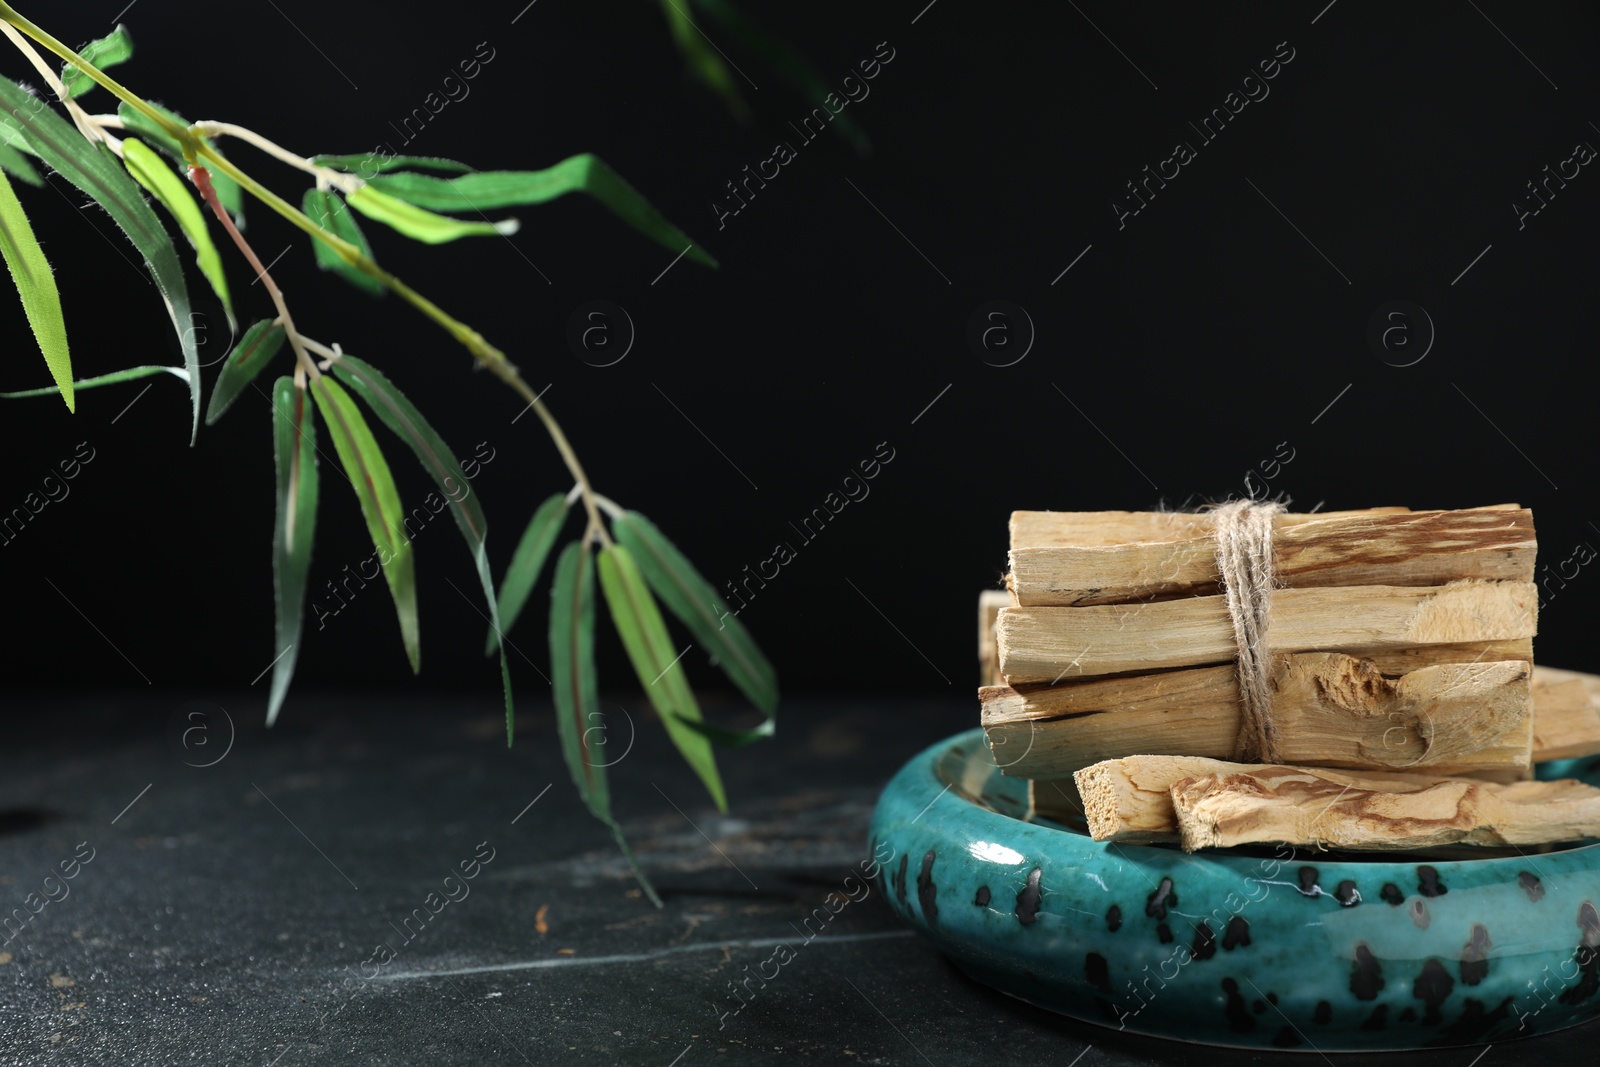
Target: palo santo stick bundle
[(1391, 644), (1211, 803)]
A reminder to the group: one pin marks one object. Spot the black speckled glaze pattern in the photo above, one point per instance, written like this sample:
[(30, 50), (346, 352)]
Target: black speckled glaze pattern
[(1258, 949)]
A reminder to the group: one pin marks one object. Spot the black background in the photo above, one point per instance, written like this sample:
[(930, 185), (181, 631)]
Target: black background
[(1178, 352)]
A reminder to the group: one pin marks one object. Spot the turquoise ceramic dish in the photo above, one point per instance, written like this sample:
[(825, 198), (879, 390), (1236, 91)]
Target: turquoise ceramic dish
[(1309, 951)]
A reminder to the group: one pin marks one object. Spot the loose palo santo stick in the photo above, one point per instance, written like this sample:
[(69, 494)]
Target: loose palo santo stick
[(1331, 710), (1331, 810), (990, 601), (1544, 677), (1065, 560), (1565, 723), (1129, 800), (1203, 803), (1048, 644)]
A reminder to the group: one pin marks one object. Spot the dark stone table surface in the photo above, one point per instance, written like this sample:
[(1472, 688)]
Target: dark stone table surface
[(226, 914)]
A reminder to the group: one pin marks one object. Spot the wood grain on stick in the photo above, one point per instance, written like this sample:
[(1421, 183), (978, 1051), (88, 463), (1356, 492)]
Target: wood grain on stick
[(1331, 709), (1548, 676), (1037, 529), (1051, 643), (1205, 803), (1327, 809), (1067, 559), (1565, 722), (1129, 800)]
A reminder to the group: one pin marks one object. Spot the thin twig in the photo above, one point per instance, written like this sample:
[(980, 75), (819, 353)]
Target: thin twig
[(329, 355), (347, 183), (53, 82), (305, 366)]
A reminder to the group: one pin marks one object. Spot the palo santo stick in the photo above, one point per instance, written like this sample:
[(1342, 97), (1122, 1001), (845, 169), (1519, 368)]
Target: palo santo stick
[(1040, 529), (1398, 661), (1548, 676), (1565, 724), (1049, 644), (1298, 806), (1331, 710), (1129, 800), (990, 601), (1145, 799), (1176, 556)]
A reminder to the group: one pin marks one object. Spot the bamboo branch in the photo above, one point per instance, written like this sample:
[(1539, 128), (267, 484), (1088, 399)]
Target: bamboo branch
[(195, 148)]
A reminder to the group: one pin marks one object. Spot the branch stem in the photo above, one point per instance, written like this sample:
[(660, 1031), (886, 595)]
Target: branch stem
[(10, 15), (305, 367), (346, 183), (53, 81)]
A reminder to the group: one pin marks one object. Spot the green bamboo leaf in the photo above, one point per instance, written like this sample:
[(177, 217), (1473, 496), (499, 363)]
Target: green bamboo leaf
[(702, 58), (528, 560), (696, 603), (105, 379), (492, 190), (15, 163), (152, 172), (369, 475), (96, 173), (115, 47), (657, 664), (372, 163), (577, 693), (325, 208), (800, 73), (418, 224), (295, 450), (579, 721), (37, 287), (253, 352), (228, 191), (397, 412)]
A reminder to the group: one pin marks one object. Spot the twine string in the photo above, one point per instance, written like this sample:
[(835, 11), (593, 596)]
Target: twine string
[(1244, 530)]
